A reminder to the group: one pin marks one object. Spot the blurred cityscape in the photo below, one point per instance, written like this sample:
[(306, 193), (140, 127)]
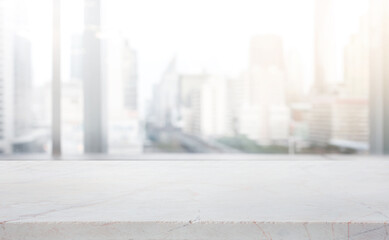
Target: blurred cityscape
[(264, 109)]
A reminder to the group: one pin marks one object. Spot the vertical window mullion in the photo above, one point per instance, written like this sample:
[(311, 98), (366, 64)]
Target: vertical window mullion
[(56, 84)]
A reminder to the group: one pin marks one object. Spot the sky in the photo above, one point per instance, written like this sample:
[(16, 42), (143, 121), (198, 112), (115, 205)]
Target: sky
[(211, 35), (214, 35)]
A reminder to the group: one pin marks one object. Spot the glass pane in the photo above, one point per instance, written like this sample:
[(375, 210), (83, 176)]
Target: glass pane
[(211, 76), (255, 77), (25, 76), (72, 29)]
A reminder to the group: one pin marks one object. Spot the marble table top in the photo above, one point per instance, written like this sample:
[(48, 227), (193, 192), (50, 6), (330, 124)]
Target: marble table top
[(194, 199)]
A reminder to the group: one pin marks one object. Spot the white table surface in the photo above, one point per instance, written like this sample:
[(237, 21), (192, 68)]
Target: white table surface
[(194, 199)]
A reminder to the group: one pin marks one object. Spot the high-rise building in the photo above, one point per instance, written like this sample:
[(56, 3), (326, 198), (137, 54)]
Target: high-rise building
[(95, 99), (267, 70), (20, 134), (345, 123), (22, 86), (356, 63), (350, 109), (25, 137), (121, 74), (76, 54), (165, 108), (237, 96), (130, 77), (322, 95), (266, 105), (294, 77), (350, 123), (6, 75), (72, 99), (123, 117), (190, 87), (214, 108), (3, 140), (325, 65), (72, 107), (340, 122), (379, 76), (320, 120), (266, 51)]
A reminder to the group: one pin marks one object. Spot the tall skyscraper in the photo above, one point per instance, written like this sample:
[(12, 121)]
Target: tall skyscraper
[(2, 77), (321, 114), (379, 76), (95, 106), (267, 92), (76, 54), (341, 120), (123, 117), (24, 136), (166, 100), (189, 95), (267, 51), (22, 86), (267, 70), (294, 76), (320, 120), (325, 64), (16, 79), (6, 65), (348, 120), (130, 77), (356, 63), (72, 99), (237, 92), (214, 108)]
